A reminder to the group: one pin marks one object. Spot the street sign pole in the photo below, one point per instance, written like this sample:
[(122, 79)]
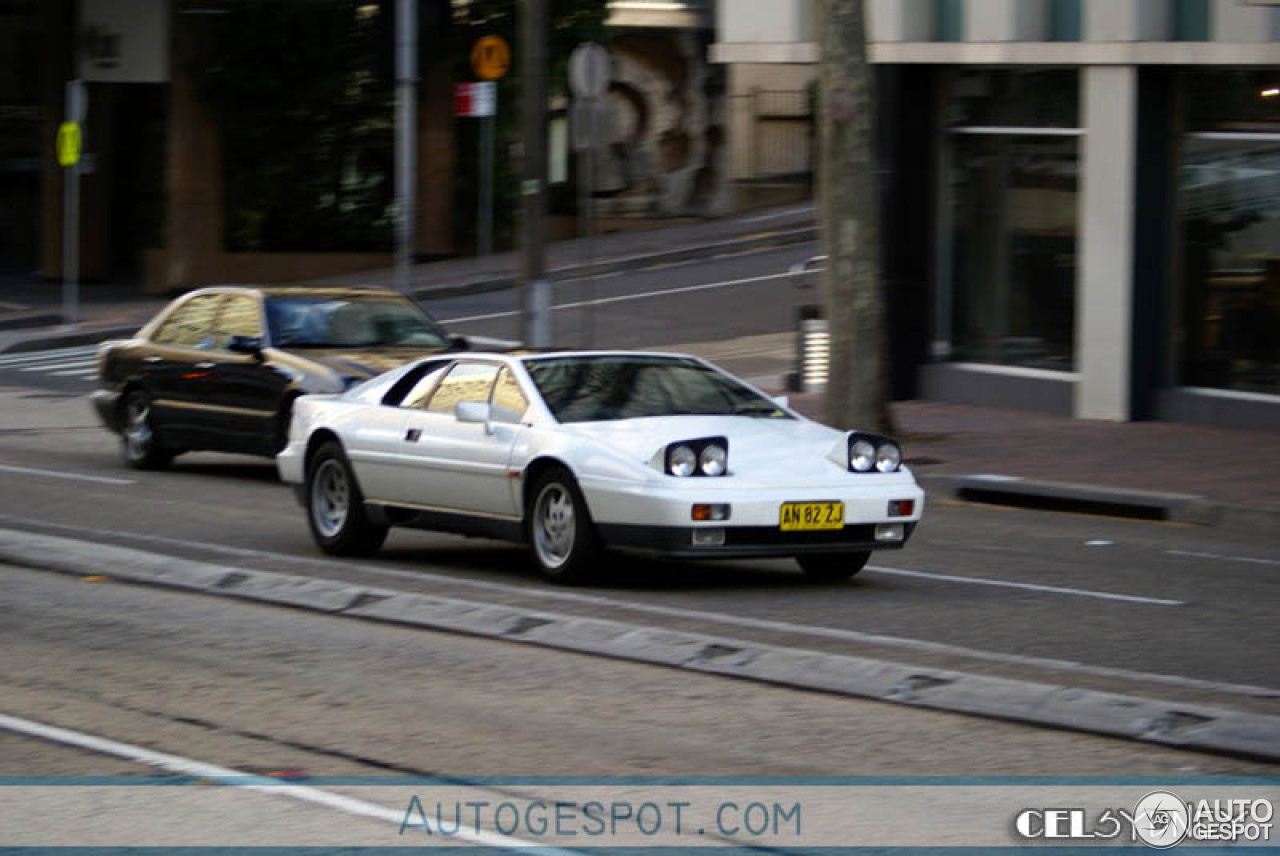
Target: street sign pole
[(485, 227), (71, 204), (406, 135), (586, 182), (490, 59)]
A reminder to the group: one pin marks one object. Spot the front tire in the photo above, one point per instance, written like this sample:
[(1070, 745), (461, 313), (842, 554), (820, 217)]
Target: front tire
[(832, 567), (339, 523), (562, 538), (139, 444)]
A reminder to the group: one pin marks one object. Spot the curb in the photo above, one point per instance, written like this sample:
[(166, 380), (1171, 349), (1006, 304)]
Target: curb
[(1194, 727), (40, 342), (622, 263), (1092, 499)]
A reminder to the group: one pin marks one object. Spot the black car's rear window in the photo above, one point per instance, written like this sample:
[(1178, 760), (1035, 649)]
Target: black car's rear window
[(351, 322), (601, 388)]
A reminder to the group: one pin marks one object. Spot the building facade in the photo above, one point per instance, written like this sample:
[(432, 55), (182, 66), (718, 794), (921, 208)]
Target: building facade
[(1081, 197)]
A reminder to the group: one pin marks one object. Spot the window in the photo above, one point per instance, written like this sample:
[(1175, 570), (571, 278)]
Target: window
[(465, 382), (1229, 217), (240, 316), (191, 324), (426, 382), (1008, 284), (509, 402), (1191, 20)]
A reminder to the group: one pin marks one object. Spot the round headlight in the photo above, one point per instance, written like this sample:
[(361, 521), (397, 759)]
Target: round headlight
[(713, 461), (682, 461), (862, 456), (888, 457)]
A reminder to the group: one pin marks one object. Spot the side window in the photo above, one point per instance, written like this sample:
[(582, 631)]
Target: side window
[(240, 316), (417, 396), (191, 324), (465, 382), (509, 402)]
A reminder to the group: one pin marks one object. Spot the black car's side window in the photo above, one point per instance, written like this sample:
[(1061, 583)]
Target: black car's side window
[(191, 324), (240, 316)]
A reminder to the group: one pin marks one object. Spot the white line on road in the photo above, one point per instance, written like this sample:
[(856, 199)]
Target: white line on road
[(624, 298), (57, 475), (44, 367), (239, 779), (45, 356), (75, 373), (983, 581), (790, 212), (919, 645), (1247, 559)]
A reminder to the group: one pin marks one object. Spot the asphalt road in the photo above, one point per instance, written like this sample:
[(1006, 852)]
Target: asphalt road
[(267, 691), (1165, 610)]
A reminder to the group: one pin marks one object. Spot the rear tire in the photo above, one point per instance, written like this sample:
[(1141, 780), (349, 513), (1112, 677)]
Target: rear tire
[(339, 523), (832, 567), (562, 538), (139, 444)]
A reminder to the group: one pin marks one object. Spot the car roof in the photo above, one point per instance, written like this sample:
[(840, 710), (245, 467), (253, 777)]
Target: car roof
[(329, 291)]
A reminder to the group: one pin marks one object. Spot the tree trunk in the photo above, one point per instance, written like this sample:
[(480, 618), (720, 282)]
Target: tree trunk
[(850, 215)]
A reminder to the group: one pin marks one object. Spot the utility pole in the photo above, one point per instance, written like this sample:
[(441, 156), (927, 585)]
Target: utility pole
[(850, 216), (536, 290), (406, 137)]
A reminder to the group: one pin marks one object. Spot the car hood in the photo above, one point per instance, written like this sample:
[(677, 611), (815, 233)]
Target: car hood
[(756, 445)]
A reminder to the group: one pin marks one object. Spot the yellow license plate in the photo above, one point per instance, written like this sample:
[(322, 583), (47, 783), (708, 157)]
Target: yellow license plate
[(809, 516)]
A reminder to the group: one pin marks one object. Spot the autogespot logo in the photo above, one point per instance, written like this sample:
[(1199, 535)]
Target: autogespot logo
[(1161, 819)]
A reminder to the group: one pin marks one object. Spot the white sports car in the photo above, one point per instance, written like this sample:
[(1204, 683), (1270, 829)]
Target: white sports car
[(576, 452)]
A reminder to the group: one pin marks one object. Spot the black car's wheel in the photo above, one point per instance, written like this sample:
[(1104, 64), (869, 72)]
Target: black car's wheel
[(139, 445), (335, 507), (829, 567), (561, 535)]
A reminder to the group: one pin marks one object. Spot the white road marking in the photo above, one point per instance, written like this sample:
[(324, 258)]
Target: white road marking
[(625, 298), (803, 209), (51, 366), (45, 356), (76, 373), (238, 779), (1098, 543), (920, 645), (983, 581), (59, 475), (1247, 559)]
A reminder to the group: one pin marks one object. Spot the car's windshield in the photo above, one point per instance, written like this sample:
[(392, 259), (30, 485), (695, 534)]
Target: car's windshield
[(321, 322), (601, 388)]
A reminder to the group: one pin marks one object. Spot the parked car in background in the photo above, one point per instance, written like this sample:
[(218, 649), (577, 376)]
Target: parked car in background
[(573, 453), (219, 368)]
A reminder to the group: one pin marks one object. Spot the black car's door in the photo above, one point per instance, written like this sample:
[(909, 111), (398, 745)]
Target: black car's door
[(249, 390), (177, 372)]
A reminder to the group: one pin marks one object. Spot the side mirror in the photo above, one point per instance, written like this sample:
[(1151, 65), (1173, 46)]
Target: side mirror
[(250, 345), (459, 343), (782, 400), (477, 412)]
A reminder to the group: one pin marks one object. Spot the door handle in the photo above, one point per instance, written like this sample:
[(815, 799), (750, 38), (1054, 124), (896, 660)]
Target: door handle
[(206, 365), (152, 359), (412, 435)]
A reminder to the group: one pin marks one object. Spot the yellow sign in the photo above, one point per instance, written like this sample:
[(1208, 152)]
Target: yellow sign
[(69, 143), (491, 58)]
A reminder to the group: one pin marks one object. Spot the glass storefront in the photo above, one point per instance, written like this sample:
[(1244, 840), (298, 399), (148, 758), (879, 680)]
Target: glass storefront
[(1013, 177), (1229, 213)]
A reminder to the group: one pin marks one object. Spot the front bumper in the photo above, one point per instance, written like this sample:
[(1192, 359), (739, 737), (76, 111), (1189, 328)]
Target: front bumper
[(747, 542), (106, 403)]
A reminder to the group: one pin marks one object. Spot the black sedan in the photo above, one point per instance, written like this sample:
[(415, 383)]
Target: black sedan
[(218, 369)]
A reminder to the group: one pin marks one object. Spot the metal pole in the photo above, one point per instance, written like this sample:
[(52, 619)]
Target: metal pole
[(536, 303), (590, 180), (406, 136), (71, 213), (485, 227)]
